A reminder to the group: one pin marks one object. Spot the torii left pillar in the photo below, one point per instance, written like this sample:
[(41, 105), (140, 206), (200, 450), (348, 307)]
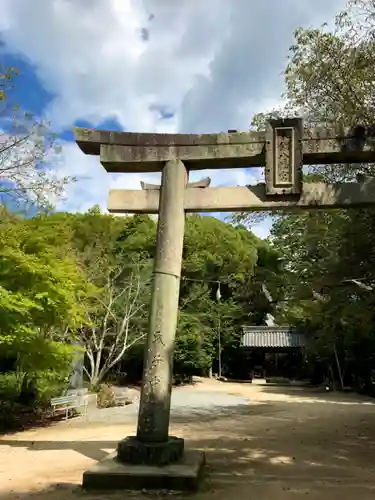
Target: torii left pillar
[(153, 443), (153, 458)]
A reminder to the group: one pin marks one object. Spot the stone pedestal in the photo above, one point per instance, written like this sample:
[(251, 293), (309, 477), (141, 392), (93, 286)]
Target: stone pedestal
[(111, 474), (131, 450), (137, 465)]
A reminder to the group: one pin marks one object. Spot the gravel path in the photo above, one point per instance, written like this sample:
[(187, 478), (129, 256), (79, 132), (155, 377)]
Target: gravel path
[(264, 442), (187, 402)]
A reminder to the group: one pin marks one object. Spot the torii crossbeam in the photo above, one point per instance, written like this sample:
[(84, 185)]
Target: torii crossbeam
[(282, 149)]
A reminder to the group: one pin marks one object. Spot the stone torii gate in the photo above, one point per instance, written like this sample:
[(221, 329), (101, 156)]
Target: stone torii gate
[(153, 458)]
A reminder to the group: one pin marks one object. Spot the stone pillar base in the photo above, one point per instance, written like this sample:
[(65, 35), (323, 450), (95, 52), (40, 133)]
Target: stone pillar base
[(111, 474), (132, 451)]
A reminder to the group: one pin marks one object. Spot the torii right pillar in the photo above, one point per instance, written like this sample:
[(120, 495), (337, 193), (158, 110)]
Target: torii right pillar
[(153, 458)]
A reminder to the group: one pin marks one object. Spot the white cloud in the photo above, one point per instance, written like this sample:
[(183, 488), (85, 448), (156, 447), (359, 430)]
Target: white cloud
[(262, 229), (92, 181), (213, 63)]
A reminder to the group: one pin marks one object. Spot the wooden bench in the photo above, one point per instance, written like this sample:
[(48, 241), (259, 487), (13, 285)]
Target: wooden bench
[(69, 402)]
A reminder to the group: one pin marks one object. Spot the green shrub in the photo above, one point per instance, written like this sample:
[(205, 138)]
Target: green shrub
[(106, 397), (32, 390), (10, 414), (23, 396), (50, 384), (11, 406), (10, 386)]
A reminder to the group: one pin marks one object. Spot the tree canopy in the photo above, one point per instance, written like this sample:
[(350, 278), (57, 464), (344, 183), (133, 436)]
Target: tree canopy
[(328, 255)]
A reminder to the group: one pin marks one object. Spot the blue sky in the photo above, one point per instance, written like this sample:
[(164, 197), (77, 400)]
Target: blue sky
[(149, 65)]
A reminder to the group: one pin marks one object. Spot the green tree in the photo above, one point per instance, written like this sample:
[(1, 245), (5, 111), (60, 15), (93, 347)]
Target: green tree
[(117, 317), (215, 254), (43, 295), (329, 79), (115, 253)]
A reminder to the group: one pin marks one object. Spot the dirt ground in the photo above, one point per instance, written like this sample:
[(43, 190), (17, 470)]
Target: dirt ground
[(286, 443)]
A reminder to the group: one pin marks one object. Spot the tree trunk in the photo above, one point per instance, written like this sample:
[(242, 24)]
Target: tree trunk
[(338, 367)]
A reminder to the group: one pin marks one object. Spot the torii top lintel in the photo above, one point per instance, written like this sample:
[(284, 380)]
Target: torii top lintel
[(147, 152)]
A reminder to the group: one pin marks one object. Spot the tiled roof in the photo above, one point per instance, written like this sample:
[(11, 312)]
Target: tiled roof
[(272, 336)]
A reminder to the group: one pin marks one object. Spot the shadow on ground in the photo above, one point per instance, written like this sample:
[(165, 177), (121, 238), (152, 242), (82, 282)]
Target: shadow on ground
[(31, 420), (316, 394), (283, 445)]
